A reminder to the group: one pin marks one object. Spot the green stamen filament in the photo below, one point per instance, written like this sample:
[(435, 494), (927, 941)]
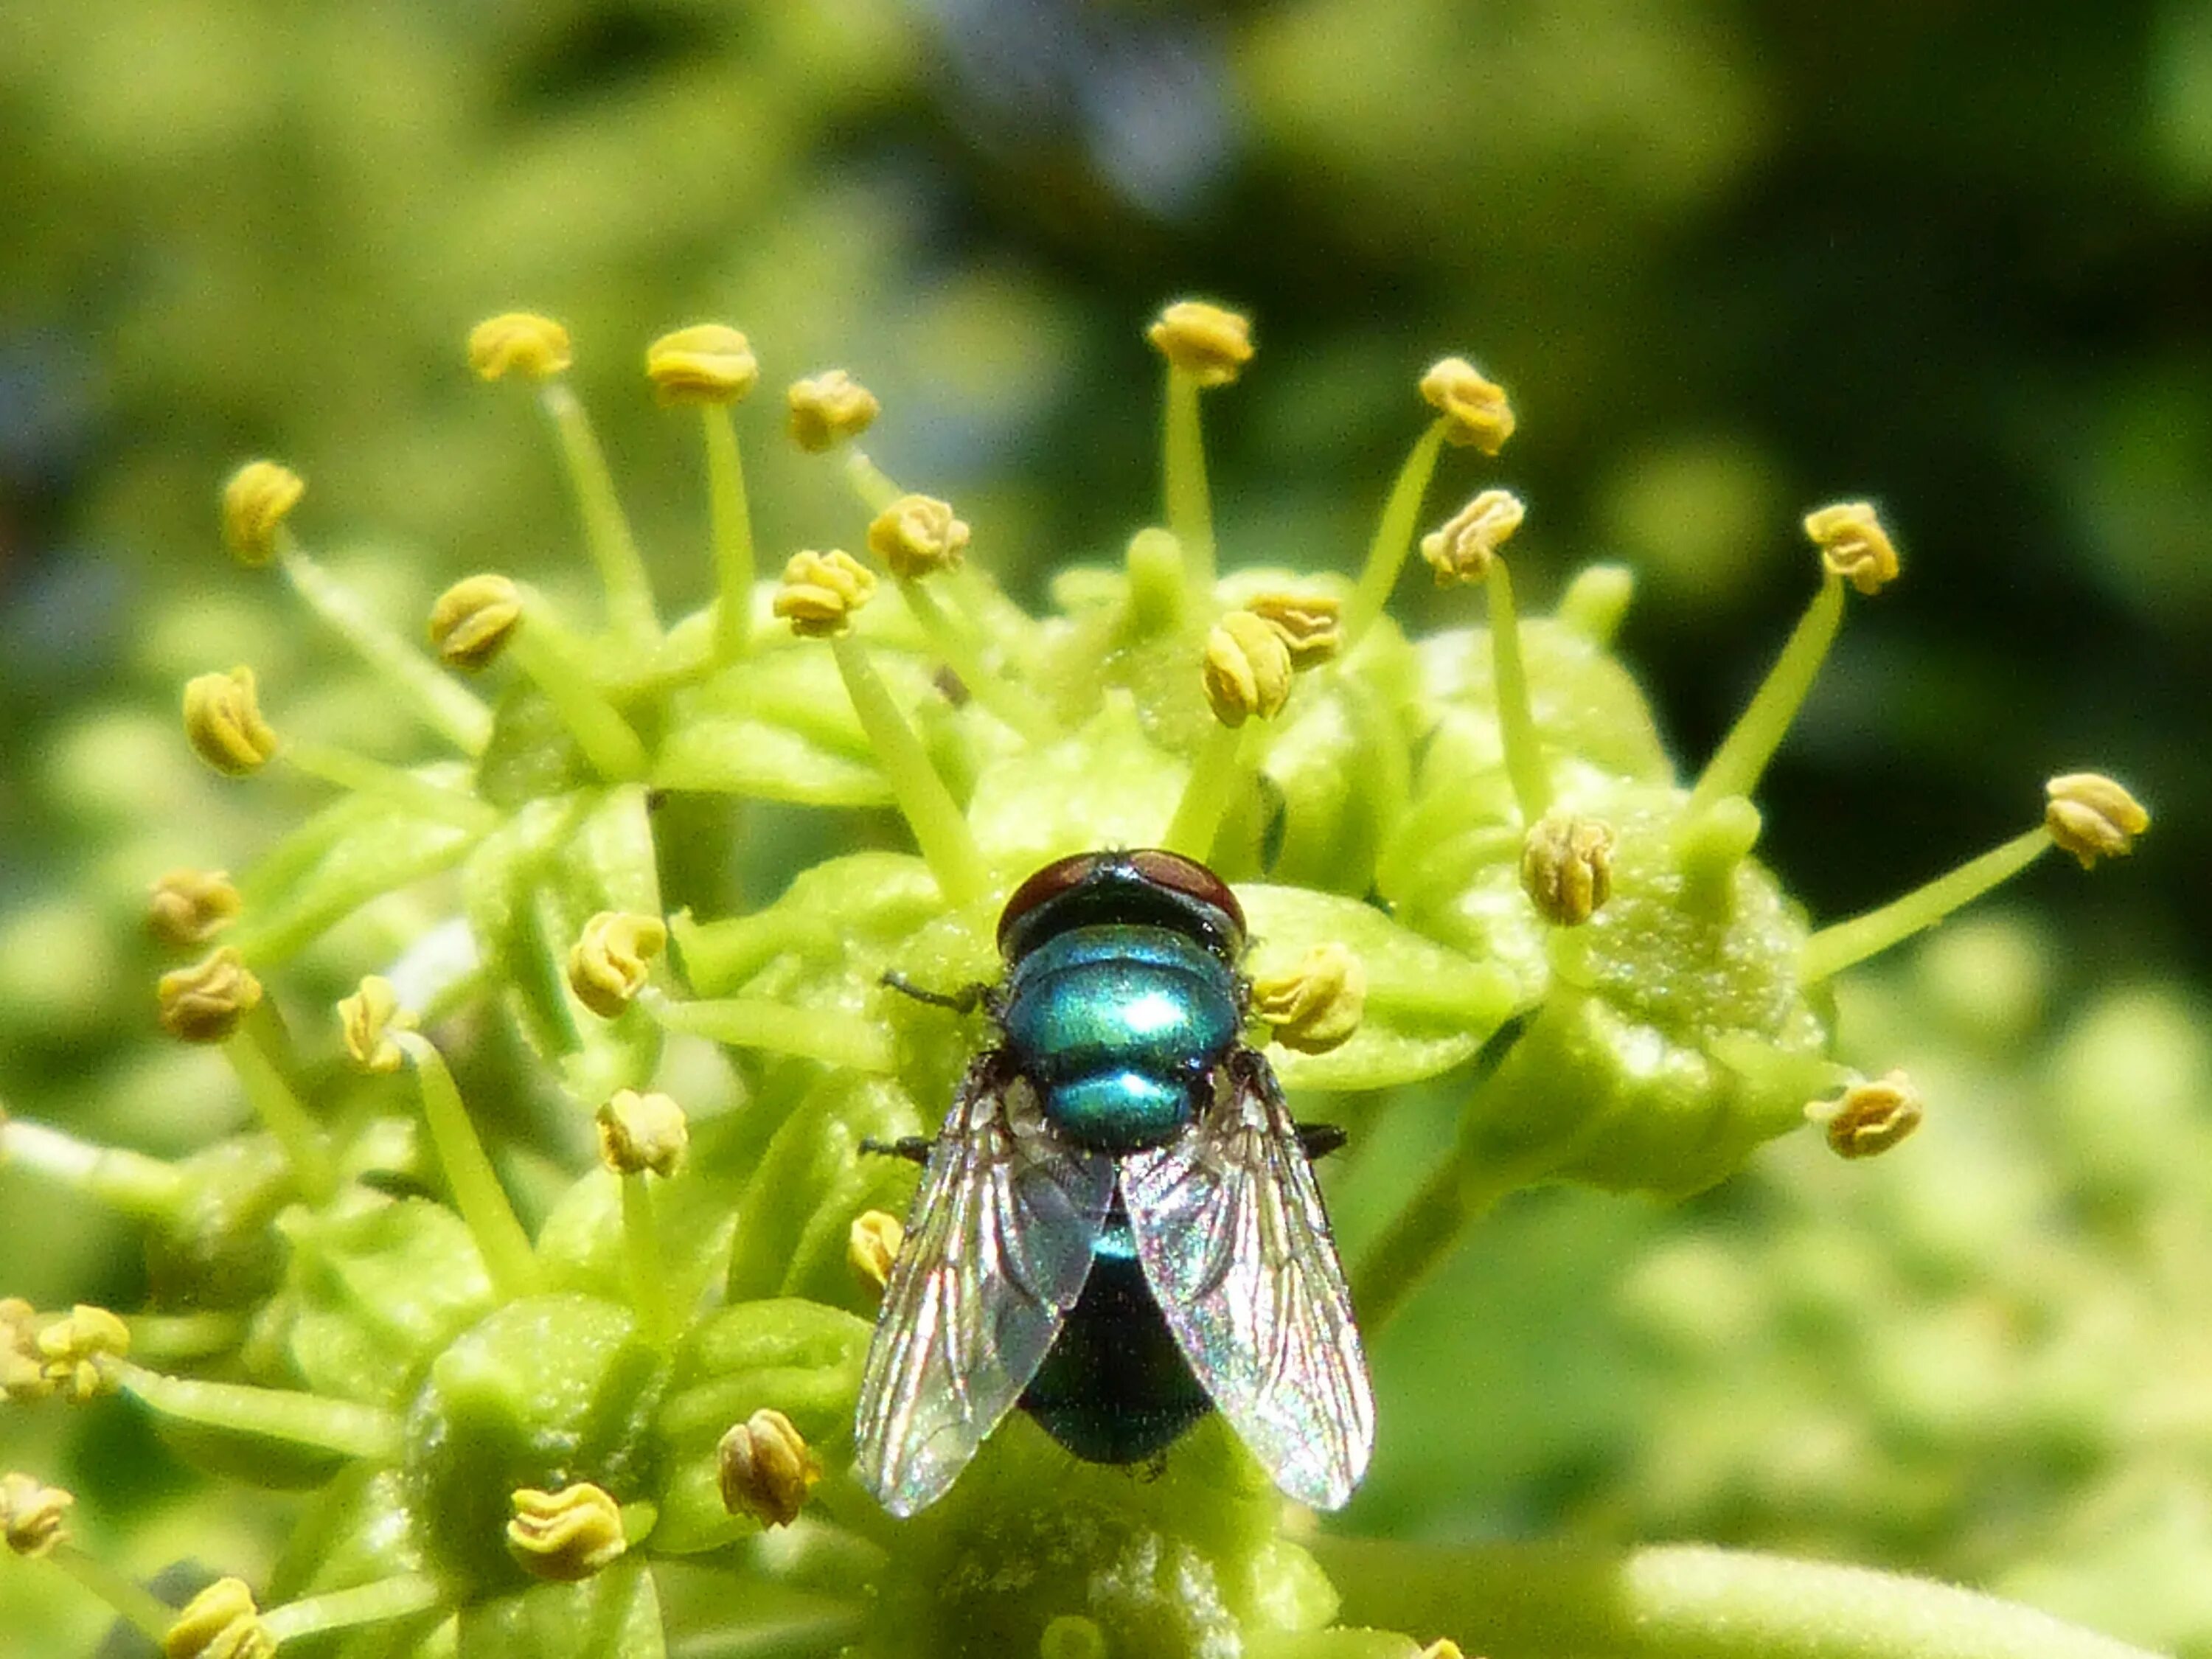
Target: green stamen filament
[(875, 489), (304, 1419), (822, 1034), (606, 531), (1419, 1237), (499, 1239), (1224, 761), (399, 1597), (1835, 949), (1735, 768), (251, 1051), (732, 520), (1007, 702), (132, 1602), (355, 772), (1158, 589), (447, 707), (1710, 846), (173, 1337), (1182, 471), (928, 807), (648, 1277), (543, 654), (719, 954), (1516, 723), (128, 1183), (1394, 533), (988, 613)]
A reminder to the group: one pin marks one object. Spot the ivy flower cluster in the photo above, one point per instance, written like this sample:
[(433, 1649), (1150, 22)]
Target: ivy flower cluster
[(1467, 863)]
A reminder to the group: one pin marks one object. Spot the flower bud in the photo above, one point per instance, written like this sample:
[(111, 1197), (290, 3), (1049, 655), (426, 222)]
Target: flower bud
[(1462, 550), (223, 722), (1316, 1005), (80, 1351), (766, 1469), (2093, 817), (1871, 1117), (873, 1245), (1481, 417), (203, 1003), (827, 409), (821, 591), (368, 1018), (1306, 621), (472, 621), (1247, 669), (220, 1622), (639, 1133), (520, 341), (30, 1514), (707, 363), (917, 535), (1566, 868), (255, 502), (565, 1535), (1208, 343), (607, 965), (191, 906), (1853, 544)]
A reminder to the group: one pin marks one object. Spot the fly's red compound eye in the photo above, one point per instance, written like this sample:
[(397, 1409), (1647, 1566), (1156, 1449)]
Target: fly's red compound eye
[(1057, 878), (1189, 878)]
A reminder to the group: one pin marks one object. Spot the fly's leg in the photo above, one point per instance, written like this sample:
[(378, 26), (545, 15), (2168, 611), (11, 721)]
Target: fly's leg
[(965, 1000), (1318, 1140), (914, 1148)]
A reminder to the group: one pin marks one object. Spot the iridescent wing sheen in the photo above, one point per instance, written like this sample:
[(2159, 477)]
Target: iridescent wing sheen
[(997, 1248), (1235, 1246)]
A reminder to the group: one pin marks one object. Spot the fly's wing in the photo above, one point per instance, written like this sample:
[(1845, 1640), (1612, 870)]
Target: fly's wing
[(997, 1248), (1235, 1246)]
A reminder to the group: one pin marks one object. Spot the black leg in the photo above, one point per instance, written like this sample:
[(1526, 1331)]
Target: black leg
[(1320, 1139), (915, 1148), (961, 1001)]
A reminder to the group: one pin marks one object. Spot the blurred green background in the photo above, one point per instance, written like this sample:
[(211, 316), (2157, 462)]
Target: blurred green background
[(1733, 260)]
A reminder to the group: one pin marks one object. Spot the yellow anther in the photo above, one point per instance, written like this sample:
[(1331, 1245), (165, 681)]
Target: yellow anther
[(520, 343), (1460, 549), (565, 1535), (1476, 406), (203, 1003), (23, 1367), (1853, 544), (220, 1622), (30, 1514), (223, 722), (1566, 867), (1870, 1117), (766, 1469), (2092, 817), (917, 535), (191, 906), (706, 363), (827, 409), (1306, 621), (821, 592), (1316, 1003), (472, 620), (607, 966), (873, 1245), (1443, 1648), (368, 1018), (639, 1133), (254, 503), (79, 1352), (1247, 669), (1208, 343)]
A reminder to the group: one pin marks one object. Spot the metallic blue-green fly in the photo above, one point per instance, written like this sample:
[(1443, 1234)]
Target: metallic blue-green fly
[(1118, 1226)]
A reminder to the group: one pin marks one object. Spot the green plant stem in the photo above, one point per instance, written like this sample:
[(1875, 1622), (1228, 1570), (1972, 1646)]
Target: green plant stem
[(399, 1597), (1020, 711), (648, 1277), (1394, 533), (304, 1419), (822, 1034), (1516, 721), (1224, 761), (252, 1050), (1682, 1601), (1183, 472), (606, 531), (499, 1239), (1735, 767), (540, 650), (1835, 949), (128, 1182), (348, 770), (173, 1337), (731, 519), (1417, 1238), (132, 1602), (928, 807)]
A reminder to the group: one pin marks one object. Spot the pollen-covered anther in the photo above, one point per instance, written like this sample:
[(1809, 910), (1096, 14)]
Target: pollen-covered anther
[(203, 1003), (255, 501), (1247, 669), (191, 906), (23, 1367), (871, 1245), (368, 1018), (821, 592), (608, 965), (566, 1535), (222, 720), (1443, 1648), (1308, 624), (1853, 544), (1318, 1003), (32, 1515), (472, 621), (1462, 548), (706, 363), (917, 535), (80, 1352), (2093, 817), (829, 408), (1869, 1117), (1566, 867), (1481, 417), (638, 1132), (220, 1622), (1208, 343), (766, 1469), (519, 343)]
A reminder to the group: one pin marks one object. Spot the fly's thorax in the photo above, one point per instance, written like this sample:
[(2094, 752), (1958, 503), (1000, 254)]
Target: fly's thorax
[(1118, 1026)]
